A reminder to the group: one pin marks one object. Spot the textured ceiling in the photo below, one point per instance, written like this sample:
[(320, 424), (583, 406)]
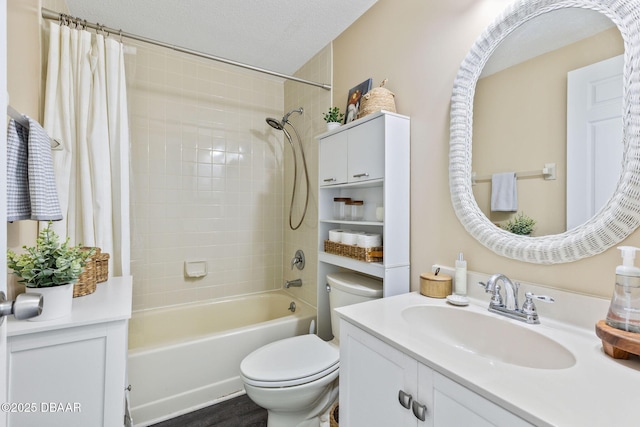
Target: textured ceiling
[(278, 35)]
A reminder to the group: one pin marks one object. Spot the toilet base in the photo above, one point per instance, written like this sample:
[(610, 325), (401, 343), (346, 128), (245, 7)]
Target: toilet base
[(299, 406), (311, 417)]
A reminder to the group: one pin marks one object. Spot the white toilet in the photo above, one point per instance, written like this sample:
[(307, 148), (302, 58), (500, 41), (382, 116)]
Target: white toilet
[(296, 379)]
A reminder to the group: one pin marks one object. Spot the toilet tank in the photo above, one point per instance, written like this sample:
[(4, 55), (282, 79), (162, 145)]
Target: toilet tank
[(350, 288)]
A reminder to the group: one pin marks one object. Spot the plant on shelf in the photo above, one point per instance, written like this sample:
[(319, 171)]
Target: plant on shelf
[(333, 115), (49, 263), (520, 224)]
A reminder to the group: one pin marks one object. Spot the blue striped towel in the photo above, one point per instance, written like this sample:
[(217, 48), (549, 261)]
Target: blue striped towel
[(31, 186), (18, 201)]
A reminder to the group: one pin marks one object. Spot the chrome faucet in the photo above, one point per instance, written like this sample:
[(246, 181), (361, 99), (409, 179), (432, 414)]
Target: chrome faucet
[(509, 307), (296, 283)]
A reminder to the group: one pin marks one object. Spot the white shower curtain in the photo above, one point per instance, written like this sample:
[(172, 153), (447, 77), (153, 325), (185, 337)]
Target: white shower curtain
[(86, 109)]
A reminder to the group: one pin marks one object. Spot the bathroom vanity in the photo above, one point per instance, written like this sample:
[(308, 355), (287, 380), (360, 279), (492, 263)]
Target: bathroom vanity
[(72, 371), (407, 360)]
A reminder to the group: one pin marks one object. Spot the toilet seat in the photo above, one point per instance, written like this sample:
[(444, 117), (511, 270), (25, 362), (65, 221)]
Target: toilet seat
[(290, 362)]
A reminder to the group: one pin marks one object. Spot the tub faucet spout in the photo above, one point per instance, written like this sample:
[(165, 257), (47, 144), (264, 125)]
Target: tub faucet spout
[(293, 283)]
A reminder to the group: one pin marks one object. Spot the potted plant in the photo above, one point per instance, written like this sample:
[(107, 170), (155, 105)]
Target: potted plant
[(333, 118), (50, 268), (520, 224)]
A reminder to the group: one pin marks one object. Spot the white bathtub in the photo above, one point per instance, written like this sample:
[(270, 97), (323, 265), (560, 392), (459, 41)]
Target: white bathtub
[(186, 357)]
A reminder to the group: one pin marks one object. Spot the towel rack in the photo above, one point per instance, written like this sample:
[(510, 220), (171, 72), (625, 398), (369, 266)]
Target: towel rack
[(548, 172), (20, 118)]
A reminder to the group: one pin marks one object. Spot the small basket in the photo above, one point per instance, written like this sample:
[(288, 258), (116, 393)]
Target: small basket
[(374, 254), (377, 99), (102, 267), (334, 415), (86, 283)]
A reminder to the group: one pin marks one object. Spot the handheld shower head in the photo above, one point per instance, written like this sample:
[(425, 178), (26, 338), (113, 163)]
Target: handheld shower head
[(279, 124), (274, 123)]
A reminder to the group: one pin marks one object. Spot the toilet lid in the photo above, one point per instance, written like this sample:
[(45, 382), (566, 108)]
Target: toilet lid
[(291, 361)]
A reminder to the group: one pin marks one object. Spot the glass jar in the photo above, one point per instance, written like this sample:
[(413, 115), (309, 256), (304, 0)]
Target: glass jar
[(339, 207), (355, 210)]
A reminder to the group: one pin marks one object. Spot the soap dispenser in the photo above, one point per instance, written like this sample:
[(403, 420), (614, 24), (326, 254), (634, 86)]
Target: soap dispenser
[(624, 312)]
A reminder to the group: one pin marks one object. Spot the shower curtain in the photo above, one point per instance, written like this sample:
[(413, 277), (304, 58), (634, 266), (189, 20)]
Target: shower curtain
[(86, 109)]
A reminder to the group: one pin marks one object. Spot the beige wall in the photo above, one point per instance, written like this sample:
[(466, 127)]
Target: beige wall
[(419, 46), (519, 124)]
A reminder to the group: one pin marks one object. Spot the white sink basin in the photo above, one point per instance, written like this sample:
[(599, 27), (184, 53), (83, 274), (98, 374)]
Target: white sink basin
[(488, 336)]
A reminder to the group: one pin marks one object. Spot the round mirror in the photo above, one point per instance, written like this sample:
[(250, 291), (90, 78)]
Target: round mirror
[(497, 102)]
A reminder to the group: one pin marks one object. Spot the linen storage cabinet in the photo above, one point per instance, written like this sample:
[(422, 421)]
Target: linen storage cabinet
[(368, 160)]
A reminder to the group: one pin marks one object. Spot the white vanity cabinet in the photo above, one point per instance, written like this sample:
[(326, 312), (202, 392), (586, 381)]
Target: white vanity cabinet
[(72, 371), (367, 159), (380, 385)]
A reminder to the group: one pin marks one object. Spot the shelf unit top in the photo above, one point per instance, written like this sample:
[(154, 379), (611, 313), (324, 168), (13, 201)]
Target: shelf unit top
[(357, 122)]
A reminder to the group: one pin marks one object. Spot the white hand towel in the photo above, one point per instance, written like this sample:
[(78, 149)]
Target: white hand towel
[(504, 192), (18, 202)]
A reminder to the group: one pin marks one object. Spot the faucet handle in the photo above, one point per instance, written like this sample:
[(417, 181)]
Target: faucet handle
[(496, 298), (544, 298), (488, 287), (529, 308)]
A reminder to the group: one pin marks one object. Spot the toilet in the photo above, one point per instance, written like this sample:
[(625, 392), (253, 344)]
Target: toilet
[(296, 379)]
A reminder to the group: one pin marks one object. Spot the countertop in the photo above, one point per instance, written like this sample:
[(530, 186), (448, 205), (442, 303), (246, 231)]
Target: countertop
[(110, 302), (596, 391)]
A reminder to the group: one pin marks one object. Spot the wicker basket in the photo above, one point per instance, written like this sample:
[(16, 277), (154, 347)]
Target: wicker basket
[(377, 99), (86, 283), (102, 267), (334, 417), (374, 254)]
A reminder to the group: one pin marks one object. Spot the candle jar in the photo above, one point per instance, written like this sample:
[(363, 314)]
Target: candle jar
[(355, 210), (339, 207)]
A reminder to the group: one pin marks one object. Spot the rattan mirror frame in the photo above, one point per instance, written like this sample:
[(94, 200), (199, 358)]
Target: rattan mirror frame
[(621, 215)]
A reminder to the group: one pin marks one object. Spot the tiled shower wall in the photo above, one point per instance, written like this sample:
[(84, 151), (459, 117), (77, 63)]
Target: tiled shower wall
[(315, 102), (207, 178)]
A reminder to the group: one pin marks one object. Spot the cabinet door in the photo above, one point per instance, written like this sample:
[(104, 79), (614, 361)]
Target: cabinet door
[(333, 159), (366, 151), (74, 377), (455, 405), (373, 377)]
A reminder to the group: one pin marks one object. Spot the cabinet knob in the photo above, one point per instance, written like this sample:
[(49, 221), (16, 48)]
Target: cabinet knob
[(419, 410), (405, 399), (361, 175)]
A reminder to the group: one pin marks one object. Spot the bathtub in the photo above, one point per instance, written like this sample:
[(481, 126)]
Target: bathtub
[(186, 357)]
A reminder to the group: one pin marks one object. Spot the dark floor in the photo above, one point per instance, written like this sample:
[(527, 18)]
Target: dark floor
[(237, 412)]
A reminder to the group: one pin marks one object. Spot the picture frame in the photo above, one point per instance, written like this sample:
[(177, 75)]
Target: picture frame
[(353, 101)]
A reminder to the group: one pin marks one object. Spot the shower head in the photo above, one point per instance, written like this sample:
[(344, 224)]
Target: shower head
[(279, 124), (274, 123)]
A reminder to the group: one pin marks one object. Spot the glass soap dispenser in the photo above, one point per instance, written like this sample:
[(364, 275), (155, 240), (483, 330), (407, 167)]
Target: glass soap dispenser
[(624, 312)]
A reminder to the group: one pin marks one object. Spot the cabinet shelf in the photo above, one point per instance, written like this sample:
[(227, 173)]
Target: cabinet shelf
[(363, 184), (346, 222), (375, 269)]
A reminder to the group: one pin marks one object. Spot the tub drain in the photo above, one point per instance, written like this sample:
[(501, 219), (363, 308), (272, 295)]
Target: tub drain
[(292, 307)]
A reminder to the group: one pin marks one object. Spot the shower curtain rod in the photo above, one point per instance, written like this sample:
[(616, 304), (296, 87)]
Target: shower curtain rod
[(50, 14)]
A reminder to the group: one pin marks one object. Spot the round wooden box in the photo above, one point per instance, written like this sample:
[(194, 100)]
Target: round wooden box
[(435, 285)]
